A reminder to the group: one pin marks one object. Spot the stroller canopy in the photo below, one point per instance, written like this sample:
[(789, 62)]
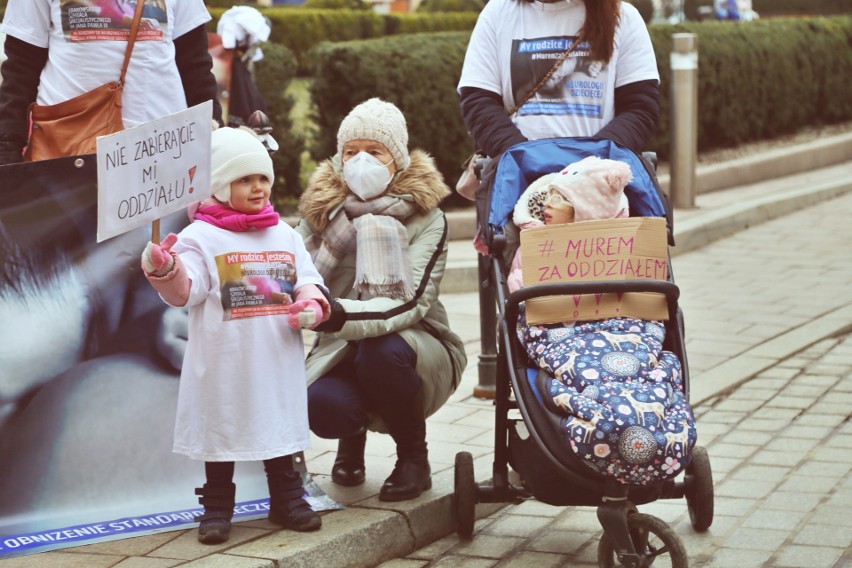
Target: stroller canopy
[(523, 163)]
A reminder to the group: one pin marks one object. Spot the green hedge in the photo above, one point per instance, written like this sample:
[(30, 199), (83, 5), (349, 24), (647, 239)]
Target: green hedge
[(429, 22), (645, 8), (273, 74), (756, 80), (774, 8), (418, 73), (797, 7), (299, 29), (761, 79)]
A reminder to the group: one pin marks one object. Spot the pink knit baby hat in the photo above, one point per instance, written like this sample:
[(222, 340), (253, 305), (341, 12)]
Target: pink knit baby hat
[(594, 186)]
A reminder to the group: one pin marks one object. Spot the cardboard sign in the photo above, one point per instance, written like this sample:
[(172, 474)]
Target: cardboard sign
[(151, 170), (614, 249)]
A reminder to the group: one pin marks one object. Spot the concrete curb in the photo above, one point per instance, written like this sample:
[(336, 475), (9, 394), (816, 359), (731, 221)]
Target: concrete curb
[(737, 370), (697, 232), (781, 162), (365, 534)]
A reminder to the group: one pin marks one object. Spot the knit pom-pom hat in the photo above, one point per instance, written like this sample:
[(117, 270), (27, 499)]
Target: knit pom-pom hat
[(377, 120), (594, 186), (236, 153)]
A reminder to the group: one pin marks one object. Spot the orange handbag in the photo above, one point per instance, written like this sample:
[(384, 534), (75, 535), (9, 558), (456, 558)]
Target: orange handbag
[(71, 128)]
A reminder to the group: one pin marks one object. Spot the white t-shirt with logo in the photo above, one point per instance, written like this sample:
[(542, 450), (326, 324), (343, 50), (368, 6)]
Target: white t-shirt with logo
[(515, 43), (87, 43), (243, 392)]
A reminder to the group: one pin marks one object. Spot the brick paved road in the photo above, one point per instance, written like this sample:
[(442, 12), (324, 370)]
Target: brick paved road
[(781, 452)]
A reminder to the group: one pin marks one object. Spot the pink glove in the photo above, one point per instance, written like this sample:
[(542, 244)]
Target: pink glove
[(157, 259), (305, 314)]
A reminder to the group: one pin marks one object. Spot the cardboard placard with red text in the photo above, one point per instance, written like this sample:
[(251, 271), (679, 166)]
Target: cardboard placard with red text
[(635, 248)]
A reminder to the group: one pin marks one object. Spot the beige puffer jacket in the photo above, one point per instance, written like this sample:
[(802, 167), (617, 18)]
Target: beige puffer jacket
[(422, 322)]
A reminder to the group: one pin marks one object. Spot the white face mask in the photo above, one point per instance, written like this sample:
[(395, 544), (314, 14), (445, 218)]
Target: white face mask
[(366, 176)]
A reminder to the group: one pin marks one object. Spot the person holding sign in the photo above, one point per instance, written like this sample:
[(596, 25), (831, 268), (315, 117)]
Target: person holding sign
[(58, 50), (242, 395), (386, 358), (620, 393)]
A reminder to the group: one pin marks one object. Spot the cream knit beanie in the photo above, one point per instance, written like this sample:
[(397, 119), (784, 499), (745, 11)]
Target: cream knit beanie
[(236, 152), (377, 120)]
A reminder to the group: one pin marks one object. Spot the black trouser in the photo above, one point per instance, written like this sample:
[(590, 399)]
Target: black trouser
[(381, 378)]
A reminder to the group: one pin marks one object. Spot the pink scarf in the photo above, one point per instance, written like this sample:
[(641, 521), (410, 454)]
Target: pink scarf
[(229, 219)]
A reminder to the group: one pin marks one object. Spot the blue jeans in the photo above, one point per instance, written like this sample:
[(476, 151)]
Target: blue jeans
[(379, 379)]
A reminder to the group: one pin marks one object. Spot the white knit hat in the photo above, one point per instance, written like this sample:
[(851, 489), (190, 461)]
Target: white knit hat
[(236, 152), (377, 120)]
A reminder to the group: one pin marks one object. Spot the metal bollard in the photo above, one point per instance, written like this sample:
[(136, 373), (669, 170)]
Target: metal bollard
[(684, 65)]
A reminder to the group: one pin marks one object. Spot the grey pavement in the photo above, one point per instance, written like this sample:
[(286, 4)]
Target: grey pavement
[(781, 452), (764, 271)]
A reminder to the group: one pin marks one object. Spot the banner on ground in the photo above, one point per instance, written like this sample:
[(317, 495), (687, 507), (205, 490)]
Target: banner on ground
[(88, 383)]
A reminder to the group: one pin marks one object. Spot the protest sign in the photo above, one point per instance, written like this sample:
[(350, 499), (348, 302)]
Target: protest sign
[(151, 170), (613, 249)]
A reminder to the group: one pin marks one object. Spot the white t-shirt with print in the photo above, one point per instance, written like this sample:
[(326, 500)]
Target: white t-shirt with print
[(515, 43), (243, 392), (87, 43)]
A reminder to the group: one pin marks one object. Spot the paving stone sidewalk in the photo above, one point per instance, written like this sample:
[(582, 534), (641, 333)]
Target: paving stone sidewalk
[(781, 452), (780, 445)]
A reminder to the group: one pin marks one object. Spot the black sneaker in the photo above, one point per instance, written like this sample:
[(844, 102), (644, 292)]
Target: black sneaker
[(296, 515), (215, 528)]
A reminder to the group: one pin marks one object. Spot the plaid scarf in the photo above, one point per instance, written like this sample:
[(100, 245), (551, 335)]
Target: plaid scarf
[(380, 243)]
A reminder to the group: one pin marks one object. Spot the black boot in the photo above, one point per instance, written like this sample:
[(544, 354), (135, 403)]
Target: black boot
[(218, 501), (348, 468), (286, 504), (411, 475)]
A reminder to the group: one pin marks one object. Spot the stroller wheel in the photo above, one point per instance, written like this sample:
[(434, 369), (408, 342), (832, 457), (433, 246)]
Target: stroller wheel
[(465, 494), (654, 541), (699, 490)]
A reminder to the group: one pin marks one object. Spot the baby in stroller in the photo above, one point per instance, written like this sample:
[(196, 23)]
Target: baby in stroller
[(620, 395)]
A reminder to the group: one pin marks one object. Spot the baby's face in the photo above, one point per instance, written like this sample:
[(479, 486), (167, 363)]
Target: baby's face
[(557, 209)]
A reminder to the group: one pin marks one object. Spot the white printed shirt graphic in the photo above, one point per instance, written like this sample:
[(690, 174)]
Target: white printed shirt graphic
[(243, 395)]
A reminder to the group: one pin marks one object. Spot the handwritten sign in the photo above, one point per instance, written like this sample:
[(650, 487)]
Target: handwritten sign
[(614, 249), (154, 169)]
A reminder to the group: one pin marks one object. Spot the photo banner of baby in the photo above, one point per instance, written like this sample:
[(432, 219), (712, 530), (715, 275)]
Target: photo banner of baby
[(154, 169), (614, 249)]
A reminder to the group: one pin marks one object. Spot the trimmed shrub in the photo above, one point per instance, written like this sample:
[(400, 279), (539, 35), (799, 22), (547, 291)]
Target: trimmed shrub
[(760, 79), (799, 7), (645, 7), (756, 80), (299, 29), (272, 75), (336, 5), (438, 22), (450, 6), (418, 73)]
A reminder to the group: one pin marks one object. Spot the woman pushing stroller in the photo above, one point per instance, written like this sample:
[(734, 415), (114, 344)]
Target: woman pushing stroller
[(620, 394)]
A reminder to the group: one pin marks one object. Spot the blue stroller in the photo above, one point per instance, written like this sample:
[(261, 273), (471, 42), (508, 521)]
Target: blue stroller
[(529, 436)]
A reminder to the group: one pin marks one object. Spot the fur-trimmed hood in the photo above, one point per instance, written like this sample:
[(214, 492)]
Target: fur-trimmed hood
[(327, 189)]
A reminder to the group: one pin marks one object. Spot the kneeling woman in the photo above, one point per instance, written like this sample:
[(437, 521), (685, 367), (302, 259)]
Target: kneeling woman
[(386, 358)]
